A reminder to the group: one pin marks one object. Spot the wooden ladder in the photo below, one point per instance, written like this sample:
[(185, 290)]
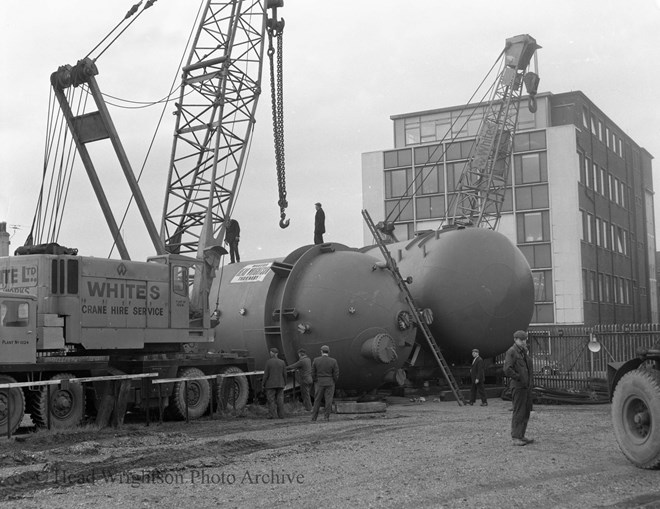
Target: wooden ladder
[(420, 315)]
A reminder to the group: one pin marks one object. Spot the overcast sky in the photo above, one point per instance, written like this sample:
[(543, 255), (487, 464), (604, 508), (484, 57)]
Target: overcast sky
[(348, 66)]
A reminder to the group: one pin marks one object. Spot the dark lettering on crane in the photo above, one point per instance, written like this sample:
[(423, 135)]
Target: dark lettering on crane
[(121, 290), (9, 276)]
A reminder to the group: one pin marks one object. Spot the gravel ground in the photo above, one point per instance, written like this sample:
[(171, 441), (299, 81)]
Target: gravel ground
[(428, 454)]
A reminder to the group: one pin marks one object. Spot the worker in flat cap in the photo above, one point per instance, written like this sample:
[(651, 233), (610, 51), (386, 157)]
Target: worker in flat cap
[(303, 367), (273, 381), (319, 224), (518, 367), (477, 376), (325, 373)]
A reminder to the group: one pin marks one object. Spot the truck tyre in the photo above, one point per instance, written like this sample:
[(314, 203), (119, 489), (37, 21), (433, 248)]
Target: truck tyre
[(12, 405), (199, 395), (67, 404), (636, 417), (232, 392)]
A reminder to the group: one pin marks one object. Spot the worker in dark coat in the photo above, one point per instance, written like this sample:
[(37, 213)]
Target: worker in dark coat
[(325, 373), (477, 375), (232, 236), (304, 368), (273, 381), (319, 224), (518, 367)]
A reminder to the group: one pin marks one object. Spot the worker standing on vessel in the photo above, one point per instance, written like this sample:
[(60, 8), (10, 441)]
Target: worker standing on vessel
[(232, 236), (319, 224)]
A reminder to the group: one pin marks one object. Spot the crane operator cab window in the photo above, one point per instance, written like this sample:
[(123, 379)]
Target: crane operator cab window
[(180, 280), (14, 314)]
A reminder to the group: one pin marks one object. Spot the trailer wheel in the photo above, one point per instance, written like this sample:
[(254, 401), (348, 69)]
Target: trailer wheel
[(636, 417), (12, 405), (67, 404), (232, 391), (199, 395)]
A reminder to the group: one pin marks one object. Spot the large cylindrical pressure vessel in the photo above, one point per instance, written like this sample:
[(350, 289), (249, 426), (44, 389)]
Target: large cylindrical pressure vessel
[(476, 282), (319, 295)]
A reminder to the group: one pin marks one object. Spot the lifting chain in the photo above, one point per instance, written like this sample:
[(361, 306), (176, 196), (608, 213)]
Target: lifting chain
[(275, 29)]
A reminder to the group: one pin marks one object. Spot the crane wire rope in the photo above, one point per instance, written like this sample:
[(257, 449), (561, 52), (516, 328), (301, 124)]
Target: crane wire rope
[(71, 157), (59, 187), (129, 14), (64, 176), (408, 199), (173, 88), (229, 214), (36, 219)]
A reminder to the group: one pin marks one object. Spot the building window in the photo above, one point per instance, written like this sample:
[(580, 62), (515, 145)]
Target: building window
[(507, 204), (430, 180), (397, 158), (412, 130), (533, 227), (583, 178), (591, 280), (530, 168), (588, 175), (620, 145), (603, 182), (526, 119), (397, 183), (587, 227), (459, 150), (594, 128), (607, 137), (543, 313), (529, 141), (532, 197), (399, 210), (606, 235), (620, 240), (431, 207), (542, 285), (428, 154), (454, 171), (615, 198), (538, 255), (596, 176), (598, 231), (585, 118)]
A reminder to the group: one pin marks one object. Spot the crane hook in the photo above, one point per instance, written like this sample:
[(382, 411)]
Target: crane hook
[(284, 223)]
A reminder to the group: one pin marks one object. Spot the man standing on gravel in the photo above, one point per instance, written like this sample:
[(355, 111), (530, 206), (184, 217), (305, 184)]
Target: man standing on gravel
[(477, 376), (274, 381), (325, 373), (304, 367), (518, 367)]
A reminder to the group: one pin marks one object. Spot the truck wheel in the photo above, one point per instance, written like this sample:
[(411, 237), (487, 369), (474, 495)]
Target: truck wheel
[(199, 395), (232, 391), (12, 405), (67, 404), (636, 417)]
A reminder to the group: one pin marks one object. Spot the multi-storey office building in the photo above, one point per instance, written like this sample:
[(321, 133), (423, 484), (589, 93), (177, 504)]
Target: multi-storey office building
[(579, 202)]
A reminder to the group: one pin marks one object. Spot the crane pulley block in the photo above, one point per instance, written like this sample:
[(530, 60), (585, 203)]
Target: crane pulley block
[(519, 51)]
